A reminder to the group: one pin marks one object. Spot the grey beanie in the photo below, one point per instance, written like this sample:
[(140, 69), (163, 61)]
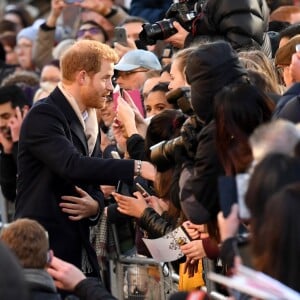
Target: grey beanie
[(30, 32)]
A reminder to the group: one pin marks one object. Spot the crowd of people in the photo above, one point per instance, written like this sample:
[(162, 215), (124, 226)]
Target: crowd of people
[(200, 94)]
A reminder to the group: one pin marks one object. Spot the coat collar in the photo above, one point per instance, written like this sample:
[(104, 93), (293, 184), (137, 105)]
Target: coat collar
[(75, 125)]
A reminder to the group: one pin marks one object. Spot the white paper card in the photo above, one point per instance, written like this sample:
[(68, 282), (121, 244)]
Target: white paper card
[(167, 247)]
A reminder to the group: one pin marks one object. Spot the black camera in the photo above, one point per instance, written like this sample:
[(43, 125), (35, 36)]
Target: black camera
[(163, 154), (183, 12), (181, 99)]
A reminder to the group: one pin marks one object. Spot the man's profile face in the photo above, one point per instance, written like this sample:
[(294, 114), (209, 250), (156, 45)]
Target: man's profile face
[(6, 112), (99, 86)]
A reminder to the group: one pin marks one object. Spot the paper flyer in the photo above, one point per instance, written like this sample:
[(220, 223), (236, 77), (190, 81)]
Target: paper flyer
[(167, 247)]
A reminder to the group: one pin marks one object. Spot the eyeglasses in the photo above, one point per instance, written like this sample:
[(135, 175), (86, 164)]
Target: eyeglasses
[(128, 73), (92, 30)]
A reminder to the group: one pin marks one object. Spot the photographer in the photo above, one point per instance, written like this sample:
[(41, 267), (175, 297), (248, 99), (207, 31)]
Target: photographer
[(244, 23)]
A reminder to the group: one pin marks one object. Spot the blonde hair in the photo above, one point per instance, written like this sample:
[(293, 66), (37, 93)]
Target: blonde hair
[(260, 62), (85, 55), (182, 56), (44, 90)]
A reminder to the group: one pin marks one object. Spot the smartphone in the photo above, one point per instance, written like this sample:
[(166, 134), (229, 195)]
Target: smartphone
[(227, 193), (142, 190), (115, 154), (123, 188), (242, 181), (120, 36)]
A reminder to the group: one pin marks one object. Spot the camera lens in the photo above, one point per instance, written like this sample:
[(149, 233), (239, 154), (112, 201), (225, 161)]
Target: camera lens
[(160, 30), (162, 154)]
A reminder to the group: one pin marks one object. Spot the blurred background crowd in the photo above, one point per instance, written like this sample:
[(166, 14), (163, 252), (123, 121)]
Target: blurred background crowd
[(208, 92)]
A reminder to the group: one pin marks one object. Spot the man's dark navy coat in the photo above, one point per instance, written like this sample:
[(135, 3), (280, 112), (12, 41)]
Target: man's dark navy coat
[(53, 158)]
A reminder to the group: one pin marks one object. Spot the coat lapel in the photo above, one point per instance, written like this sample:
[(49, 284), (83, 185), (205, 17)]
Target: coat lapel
[(59, 99)]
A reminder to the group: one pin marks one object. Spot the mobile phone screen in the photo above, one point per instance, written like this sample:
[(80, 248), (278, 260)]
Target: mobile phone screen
[(242, 181), (120, 35), (135, 95)]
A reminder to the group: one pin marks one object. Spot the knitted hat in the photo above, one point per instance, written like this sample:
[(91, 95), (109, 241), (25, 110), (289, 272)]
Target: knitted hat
[(30, 32), (209, 68), (138, 59), (284, 54)]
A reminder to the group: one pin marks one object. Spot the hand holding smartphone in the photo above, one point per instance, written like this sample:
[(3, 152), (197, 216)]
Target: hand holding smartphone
[(120, 36), (242, 181), (143, 190), (115, 154), (232, 189)]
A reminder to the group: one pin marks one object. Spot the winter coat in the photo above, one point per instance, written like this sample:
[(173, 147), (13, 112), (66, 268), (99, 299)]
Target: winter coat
[(41, 285), (242, 23), (150, 10)]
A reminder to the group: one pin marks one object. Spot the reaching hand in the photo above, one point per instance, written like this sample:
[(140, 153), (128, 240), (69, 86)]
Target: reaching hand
[(57, 7), (80, 207), (125, 115), (148, 171), (141, 125), (121, 49), (66, 276), (229, 226), (193, 250), (195, 231), (107, 190), (103, 7), (177, 39), (131, 206)]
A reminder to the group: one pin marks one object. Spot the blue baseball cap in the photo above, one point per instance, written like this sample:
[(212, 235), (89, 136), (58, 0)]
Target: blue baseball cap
[(138, 59)]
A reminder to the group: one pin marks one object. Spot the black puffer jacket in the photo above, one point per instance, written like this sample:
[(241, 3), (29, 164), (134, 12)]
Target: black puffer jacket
[(198, 183), (243, 23)]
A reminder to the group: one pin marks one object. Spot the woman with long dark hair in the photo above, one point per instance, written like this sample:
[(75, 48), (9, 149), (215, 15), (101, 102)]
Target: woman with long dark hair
[(239, 109)]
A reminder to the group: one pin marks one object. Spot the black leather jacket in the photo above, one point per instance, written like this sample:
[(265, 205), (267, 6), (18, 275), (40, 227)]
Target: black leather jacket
[(243, 23), (155, 225)]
